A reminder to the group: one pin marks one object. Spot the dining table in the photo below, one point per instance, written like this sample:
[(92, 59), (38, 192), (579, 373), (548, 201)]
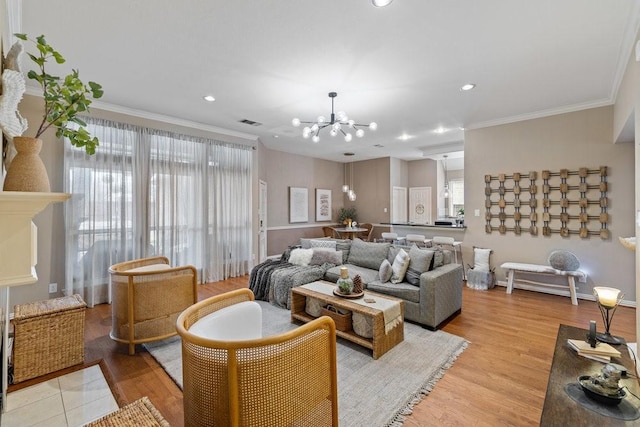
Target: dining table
[(350, 232)]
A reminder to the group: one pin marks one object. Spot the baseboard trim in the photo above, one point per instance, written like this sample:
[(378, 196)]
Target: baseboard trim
[(560, 292)]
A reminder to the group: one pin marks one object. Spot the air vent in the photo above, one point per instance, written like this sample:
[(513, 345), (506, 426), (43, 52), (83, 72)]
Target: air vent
[(250, 122), (349, 154), (378, 145)]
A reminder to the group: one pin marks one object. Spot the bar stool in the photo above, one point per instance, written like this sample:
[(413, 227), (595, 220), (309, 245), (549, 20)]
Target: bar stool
[(455, 246), (391, 237), (418, 239)]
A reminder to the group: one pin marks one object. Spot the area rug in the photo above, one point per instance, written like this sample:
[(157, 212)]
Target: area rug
[(371, 392)]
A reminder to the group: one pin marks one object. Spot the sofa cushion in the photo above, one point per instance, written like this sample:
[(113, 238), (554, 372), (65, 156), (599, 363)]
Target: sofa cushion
[(399, 266), (323, 255), (385, 271), (301, 256), (366, 274), (323, 243), (438, 258), (344, 246), (402, 290), (419, 261), (368, 254)]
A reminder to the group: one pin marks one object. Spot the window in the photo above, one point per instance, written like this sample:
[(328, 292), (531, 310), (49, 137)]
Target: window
[(456, 201), (148, 192)]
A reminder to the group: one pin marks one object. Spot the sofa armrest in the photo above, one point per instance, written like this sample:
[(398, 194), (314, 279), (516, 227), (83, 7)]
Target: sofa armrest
[(440, 293)]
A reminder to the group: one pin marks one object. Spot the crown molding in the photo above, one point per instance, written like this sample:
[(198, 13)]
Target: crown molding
[(542, 113), (159, 117)]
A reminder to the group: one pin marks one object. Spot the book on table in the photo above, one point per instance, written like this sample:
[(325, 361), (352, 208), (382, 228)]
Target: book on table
[(601, 349)]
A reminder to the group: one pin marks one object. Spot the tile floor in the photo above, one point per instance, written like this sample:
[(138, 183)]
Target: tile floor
[(67, 401)]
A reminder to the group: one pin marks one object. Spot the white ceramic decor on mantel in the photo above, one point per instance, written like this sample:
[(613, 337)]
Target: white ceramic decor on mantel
[(18, 250)]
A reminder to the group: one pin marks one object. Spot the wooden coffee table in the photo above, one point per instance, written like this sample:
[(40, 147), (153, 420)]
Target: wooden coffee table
[(380, 343)]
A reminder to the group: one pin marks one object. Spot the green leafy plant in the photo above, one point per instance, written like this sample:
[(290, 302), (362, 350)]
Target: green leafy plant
[(347, 213), (64, 98)]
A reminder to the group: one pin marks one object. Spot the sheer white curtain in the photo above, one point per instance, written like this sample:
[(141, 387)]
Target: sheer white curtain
[(151, 192)]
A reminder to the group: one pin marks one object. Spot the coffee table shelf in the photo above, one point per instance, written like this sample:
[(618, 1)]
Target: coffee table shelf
[(380, 343)]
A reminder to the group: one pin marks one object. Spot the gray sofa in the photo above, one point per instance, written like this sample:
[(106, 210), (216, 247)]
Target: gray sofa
[(434, 296)]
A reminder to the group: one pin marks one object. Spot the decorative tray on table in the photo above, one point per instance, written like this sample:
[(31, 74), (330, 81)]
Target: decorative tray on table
[(337, 292)]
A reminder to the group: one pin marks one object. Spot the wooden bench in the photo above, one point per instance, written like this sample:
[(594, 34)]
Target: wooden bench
[(516, 267)]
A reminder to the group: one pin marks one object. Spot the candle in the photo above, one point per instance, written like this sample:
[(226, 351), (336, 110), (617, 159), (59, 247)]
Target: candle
[(608, 297)]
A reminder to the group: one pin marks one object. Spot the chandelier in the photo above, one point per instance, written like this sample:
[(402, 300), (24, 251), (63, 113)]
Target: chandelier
[(338, 123)]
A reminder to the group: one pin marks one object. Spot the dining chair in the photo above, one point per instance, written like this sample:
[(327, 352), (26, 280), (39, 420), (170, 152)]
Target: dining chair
[(328, 232), (366, 235)]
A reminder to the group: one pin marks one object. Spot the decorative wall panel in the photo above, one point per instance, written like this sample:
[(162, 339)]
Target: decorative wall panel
[(573, 202), (511, 203)]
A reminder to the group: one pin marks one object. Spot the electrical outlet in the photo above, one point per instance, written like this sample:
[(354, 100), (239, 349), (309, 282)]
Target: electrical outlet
[(53, 288)]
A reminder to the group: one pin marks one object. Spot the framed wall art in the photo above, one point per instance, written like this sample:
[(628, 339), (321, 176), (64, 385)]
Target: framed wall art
[(323, 205), (298, 204)]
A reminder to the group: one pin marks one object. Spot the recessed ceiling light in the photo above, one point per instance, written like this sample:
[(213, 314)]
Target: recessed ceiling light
[(381, 3), (209, 98), (404, 137), (468, 86), (440, 130), (276, 136)]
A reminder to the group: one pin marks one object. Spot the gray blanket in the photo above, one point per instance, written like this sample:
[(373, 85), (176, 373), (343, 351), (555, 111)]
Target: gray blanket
[(272, 280), (282, 280)]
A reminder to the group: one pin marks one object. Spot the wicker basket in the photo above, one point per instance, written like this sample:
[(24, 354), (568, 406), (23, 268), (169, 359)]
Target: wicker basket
[(342, 321), (140, 413), (48, 336)]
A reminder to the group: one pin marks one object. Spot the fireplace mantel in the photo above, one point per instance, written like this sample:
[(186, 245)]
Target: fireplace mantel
[(18, 252)]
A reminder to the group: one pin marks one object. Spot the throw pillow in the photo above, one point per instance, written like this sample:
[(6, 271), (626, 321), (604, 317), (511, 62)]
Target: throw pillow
[(564, 260), (301, 256), (305, 243), (368, 254), (287, 253), (344, 246), (438, 259), (326, 255), (385, 271), (481, 259), (316, 243), (399, 267), (419, 261)]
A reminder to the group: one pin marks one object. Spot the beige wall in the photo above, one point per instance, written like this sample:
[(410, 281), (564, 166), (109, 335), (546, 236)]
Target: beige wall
[(573, 140), (424, 173)]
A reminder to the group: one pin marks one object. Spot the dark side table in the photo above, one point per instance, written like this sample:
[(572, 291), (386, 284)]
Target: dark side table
[(559, 409)]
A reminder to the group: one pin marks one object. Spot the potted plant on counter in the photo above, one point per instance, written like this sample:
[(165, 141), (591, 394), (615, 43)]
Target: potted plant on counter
[(64, 99)]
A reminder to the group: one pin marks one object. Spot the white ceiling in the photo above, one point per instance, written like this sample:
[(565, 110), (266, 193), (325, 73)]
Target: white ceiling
[(401, 66)]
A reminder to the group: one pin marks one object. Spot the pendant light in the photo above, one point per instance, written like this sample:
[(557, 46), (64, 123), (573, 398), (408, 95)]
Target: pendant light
[(345, 186), (446, 193), (351, 193)]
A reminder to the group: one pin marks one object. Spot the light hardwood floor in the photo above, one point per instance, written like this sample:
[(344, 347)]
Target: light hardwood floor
[(499, 380)]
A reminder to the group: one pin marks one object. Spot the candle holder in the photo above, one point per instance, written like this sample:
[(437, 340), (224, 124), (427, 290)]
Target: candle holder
[(608, 300)]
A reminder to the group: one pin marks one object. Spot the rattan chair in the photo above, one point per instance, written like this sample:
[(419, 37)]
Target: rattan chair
[(366, 235), (282, 380), (149, 294), (328, 232)]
